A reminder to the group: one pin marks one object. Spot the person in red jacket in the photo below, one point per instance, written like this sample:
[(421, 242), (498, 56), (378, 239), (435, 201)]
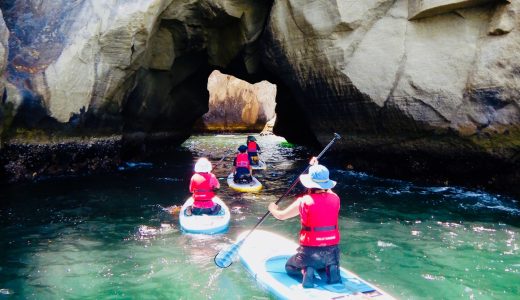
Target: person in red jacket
[(319, 234), (253, 149), (202, 185), (242, 172)]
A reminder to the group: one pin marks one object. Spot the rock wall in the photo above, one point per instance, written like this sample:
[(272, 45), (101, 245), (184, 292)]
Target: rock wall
[(4, 35), (130, 68), (440, 87), (4, 109), (236, 105), (427, 8), (428, 86), (87, 59)]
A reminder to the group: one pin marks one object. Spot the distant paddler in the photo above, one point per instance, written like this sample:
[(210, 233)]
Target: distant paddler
[(242, 172), (252, 150), (241, 178)]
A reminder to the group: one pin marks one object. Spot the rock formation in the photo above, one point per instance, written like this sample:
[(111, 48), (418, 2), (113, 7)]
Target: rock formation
[(236, 105), (427, 85), (4, 35), (4, 109), (439, 87), (427, 8), (90, 55)]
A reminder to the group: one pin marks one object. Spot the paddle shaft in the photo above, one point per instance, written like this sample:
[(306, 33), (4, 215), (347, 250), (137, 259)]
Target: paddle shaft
[(222, 159), (336, 137)]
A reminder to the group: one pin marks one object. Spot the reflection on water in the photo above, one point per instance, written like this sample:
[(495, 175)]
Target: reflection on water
[(110, 236)]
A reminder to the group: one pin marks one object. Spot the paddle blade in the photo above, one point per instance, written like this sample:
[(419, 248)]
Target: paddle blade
[(227, 256)]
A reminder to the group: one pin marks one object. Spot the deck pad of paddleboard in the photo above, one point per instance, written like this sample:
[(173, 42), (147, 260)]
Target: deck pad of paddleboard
[(264, 255), (205, 224), (253, 186)]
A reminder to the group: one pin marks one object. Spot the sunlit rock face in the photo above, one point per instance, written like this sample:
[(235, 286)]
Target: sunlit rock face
[(236, 105), (82, 63), (4, 109), (426, 8), (130, 68), (4, 35), (441, 86)]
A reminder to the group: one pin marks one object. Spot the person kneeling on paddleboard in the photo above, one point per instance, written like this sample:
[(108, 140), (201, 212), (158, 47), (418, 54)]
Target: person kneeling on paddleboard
[(202, 185), (319, 234), (242, 172), (252, 150)]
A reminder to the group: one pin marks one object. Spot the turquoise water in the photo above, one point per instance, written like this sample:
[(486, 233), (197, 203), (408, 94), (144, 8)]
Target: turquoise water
[(106, 237)]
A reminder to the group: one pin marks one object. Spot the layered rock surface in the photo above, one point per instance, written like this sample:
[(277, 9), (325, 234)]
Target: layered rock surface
[(427, 8), (90, 55), (4, 35), (428, 92), (236, 105), (439, 87)]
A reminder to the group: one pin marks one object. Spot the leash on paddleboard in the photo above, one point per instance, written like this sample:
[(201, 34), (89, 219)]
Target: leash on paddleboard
[(225, 257)]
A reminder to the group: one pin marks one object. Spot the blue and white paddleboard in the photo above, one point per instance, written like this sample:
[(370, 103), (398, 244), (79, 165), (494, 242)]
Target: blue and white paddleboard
[(261, 165), (264, 255), (253, 186), (205, 224)]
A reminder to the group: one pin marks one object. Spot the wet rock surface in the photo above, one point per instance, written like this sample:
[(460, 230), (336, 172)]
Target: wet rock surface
[(33, 161)]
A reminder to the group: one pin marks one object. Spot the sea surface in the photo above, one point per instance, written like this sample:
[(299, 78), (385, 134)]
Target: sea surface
[(110, 236)]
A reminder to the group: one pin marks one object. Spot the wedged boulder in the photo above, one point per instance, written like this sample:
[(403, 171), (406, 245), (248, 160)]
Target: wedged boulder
[(427, 8), (236, 105), (438, 90)]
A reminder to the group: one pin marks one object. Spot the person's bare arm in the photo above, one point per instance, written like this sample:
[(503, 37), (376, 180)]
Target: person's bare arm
[(287, 213)]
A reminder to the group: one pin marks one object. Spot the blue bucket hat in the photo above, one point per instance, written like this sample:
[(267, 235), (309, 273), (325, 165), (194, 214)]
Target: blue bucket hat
[(242, 148), (318, 178)]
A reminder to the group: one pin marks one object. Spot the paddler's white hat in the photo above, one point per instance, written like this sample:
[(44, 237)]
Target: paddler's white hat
[(203, 165)]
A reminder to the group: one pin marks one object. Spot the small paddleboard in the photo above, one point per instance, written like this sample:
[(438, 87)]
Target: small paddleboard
[(261, 165), (253, 186), (264, 255), (205, 224)]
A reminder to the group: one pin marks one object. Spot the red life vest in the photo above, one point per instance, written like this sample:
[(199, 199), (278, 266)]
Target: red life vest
[(319, 220), (251, 146), (202, 190), (242, 160)]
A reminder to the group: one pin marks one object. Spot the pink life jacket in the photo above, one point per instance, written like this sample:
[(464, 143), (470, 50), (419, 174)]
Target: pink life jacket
[(320, 220), (202, 190), (242, 161), (251, 146)]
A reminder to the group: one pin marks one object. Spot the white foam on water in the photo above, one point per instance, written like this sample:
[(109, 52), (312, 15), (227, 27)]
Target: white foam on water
[(382, 244), (6, 292)]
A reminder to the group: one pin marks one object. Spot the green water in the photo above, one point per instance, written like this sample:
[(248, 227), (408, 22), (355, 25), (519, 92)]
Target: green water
[(106, 237)]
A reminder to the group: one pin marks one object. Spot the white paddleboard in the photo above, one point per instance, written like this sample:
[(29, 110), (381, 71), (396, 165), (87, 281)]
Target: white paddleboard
[(253, 186), (205, 224), (264, 255)]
